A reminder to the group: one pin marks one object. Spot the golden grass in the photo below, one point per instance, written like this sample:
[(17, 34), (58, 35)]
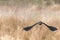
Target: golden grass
[(11, 27)]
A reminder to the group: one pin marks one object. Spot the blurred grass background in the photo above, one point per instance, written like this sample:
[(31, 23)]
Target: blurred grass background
[(27, 2), (17, 14)]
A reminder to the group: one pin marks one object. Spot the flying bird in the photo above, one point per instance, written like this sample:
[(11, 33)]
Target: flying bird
[(52, 28)]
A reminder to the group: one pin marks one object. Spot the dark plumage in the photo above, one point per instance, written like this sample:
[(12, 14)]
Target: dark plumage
[(28, 28), (40, 23), (52, 28)]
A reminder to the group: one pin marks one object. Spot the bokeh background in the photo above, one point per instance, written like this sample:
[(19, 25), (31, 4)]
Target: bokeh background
[(17, 14)]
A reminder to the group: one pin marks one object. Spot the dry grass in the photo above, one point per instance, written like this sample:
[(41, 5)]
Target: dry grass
[(12, 24)]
